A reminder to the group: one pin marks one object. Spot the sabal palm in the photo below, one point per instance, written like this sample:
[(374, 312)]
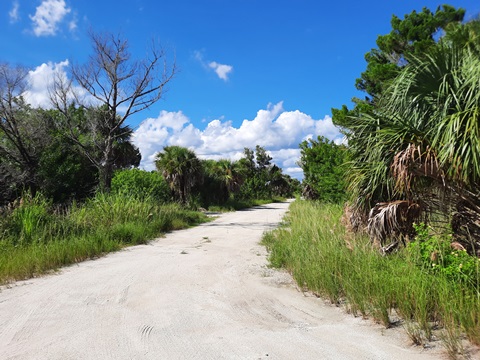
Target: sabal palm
[(432, 106), (440, 97), (229, 174), (424, 137), (442, 93), (181, 169)]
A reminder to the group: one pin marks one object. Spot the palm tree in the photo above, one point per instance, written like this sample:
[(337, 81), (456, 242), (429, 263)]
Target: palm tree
[(226, 174), (181, 169), (229, 173), (442, 92), (423, 140)]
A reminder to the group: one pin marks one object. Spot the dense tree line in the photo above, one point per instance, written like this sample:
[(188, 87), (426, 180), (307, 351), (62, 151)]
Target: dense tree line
[(36, 155), (211, 182)]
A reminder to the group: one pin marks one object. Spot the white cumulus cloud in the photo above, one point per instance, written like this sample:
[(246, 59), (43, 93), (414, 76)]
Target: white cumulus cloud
[(13, 13), (47, 17), (274, 128), (40, 80), (221, 70)]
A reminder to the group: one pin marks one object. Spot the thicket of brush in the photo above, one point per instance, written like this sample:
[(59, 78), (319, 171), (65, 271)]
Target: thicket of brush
[(429, 288), (36, 236)]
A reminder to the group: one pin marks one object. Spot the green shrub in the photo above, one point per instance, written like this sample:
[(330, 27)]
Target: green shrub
[(435, 254), (128, 233), (323, 164), (141, 184)]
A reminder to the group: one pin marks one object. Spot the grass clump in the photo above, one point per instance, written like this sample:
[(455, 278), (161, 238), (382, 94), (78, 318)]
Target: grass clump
[(37, 239), (427, 294)]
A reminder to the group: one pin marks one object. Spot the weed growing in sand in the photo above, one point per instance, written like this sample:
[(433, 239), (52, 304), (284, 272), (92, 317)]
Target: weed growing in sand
[(344, 268), (36, 238)]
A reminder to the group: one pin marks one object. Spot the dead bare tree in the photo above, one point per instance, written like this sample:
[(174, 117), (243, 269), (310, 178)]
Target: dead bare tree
[(115, 84)]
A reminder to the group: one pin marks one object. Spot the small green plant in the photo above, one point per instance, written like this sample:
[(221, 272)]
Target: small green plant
[(435, 254)]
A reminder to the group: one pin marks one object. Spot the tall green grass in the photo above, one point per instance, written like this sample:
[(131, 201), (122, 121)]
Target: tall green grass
[(315, 248), (36, 239)]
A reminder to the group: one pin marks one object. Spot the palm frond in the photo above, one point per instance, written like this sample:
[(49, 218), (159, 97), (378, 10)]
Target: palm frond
[(393, 220)]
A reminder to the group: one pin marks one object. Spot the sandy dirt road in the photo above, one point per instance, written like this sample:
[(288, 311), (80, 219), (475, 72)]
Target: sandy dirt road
[(201, 293)]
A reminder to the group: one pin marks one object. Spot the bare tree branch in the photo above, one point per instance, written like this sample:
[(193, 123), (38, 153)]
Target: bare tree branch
[(119, 87)]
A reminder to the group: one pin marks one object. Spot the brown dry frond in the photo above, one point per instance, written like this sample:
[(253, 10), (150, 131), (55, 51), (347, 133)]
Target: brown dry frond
[(393, 220), (466, 225), (413, 162), (354, 222), (353, 219)]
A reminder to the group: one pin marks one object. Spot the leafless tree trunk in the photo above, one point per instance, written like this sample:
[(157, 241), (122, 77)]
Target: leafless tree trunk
[(116, 85)]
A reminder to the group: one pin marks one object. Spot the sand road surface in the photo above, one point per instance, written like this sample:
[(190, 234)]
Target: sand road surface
[(200, 293)]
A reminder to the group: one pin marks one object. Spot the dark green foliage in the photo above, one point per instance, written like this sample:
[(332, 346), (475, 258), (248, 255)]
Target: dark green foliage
[(23, 135), (93, 136), (68, 166), (412, 36), (415, 34), (255, 187), (248, 161), (323, 165), (377, 75), (207, 183), (125, 154), (263, 180), (212, 192), (36, 154), (64, 174), (282, 185), (181, 168), (141, 184), (262, 158), (214, 189), (411, 39)]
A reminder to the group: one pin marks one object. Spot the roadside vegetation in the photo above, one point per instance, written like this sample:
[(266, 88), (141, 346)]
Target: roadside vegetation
[(38, 234), (390, 228), (432, 298), (38, 237)]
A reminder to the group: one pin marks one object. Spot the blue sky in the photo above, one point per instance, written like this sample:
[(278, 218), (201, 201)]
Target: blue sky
[(251, 72)]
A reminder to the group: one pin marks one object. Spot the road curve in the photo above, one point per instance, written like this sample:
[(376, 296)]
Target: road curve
[(200, 293)]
